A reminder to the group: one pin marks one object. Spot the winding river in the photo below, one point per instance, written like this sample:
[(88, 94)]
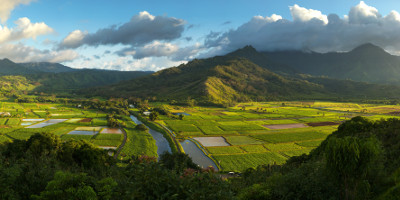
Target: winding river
[(188, 146), (161, 142)]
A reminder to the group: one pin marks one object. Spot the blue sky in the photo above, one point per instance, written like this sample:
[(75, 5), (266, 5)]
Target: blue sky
[(152, 35)]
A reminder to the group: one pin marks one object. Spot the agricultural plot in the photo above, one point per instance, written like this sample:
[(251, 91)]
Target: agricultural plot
[(240, 162), (75, 132), (3, 121), (285, 126), (76, 137), (224, 150), (212, 141), (291, 137), (111, 131), (242, 140), (47, 123), (297, 152), (13, 122), (211, 130), (254, 148), (4, 139), (313, 143), (282, 147)]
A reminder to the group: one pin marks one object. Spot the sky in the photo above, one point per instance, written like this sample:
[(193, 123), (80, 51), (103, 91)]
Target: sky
[(151, 35)]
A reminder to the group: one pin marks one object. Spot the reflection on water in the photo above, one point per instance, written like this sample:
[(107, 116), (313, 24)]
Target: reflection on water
[(197, 155)]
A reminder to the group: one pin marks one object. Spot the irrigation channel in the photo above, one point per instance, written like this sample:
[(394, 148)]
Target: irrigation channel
[(197, 155)]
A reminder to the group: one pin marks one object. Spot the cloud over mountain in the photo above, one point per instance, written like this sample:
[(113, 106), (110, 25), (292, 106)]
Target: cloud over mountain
[(22, 53), (311, 30), (142, 29)]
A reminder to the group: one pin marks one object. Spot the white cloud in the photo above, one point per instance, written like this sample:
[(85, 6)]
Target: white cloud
[(363, 14), (312, 30), (300, 14), (127, 63), (6, 6), (155, 49), (22, 53), (24, 29), (142, 29), (74, 39)]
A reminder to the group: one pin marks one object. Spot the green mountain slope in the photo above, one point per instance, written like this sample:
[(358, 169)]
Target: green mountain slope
[(7, 67), (70, 81), (368, 63), (47, 67), (226, 79)]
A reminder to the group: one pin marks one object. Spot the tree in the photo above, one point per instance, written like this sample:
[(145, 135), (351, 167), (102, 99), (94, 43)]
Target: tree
[(349, 159), (141, 127), (66, 185), (153, 115), (177, 161)]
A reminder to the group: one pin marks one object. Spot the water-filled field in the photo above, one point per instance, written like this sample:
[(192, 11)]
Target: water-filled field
[(251, 134)]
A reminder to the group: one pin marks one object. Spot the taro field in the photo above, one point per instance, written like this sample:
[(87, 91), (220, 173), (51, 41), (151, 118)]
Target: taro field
[(252, 134), (22, 120)]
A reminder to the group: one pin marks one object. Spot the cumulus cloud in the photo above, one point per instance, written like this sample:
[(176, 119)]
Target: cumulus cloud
[(142, 29), (7, 6), (22, 53), (155, 49), (312, 30), (127, 64), (24, 29)]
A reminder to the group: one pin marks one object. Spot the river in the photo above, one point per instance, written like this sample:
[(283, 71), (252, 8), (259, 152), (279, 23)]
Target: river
[(161, 142), (188, 146)]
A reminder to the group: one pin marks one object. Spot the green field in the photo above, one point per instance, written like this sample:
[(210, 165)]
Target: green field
[(245, 131), (242, 126), (240, 162)]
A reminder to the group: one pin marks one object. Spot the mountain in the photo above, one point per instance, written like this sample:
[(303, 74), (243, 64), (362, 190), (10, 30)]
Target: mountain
[(8, 67), (47, 67), (367, 63), (223, 80), (262, 60), (70, 81)]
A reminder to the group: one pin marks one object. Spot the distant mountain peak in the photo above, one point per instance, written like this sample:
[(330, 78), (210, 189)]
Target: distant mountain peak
[(247, 50), (369, 48)]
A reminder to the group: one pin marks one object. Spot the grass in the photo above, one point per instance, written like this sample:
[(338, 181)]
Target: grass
[(138, 143), (291, 137), (210, 130), (254, 148), (4, 138), (113, 143), (240, 162), (88, 128), (242, 140), (184, 128), (241, 127), (313, 143), (297, 152), (282, 147), (3, 121), (76, 137), (13, 121), (224, 150), (105, 136)]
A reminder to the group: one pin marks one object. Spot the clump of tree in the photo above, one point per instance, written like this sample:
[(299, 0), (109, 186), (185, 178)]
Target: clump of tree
[(43, 167), (141, 127)]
